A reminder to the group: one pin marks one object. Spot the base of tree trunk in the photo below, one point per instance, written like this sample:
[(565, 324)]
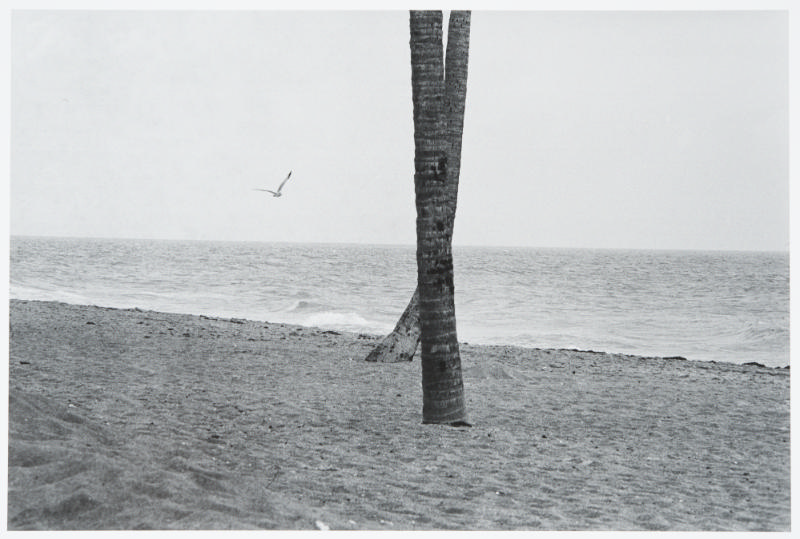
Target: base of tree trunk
[(401, 344), (450, 424)]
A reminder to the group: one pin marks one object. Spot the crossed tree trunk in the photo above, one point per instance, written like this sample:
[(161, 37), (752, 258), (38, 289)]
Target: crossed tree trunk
[(402, 342)]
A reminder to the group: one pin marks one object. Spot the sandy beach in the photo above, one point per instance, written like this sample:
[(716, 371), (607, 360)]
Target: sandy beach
[(130, 419)]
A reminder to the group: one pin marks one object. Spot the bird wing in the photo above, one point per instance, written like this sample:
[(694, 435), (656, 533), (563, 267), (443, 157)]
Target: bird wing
[(284, 181)]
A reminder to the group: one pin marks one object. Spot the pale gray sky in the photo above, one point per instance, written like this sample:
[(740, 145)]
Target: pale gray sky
[(666, 130)]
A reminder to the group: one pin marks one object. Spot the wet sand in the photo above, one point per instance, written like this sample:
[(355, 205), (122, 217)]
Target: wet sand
[(128, 419)]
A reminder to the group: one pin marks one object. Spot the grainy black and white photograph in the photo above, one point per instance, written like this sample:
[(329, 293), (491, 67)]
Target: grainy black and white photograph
[(392, 269)]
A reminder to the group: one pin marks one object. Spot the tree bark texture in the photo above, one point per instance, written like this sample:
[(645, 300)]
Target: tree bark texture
[(456, 62), (401, 344), (442, 383)]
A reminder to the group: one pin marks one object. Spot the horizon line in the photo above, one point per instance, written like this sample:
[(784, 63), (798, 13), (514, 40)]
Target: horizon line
[(407, 245)]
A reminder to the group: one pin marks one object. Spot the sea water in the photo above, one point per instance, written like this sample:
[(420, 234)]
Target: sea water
[(709, 306)]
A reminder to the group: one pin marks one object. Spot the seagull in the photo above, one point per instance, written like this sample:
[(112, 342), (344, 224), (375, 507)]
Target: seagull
[(278, 192)]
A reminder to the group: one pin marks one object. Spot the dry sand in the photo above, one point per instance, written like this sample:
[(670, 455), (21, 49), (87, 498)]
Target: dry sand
[(128, 419)]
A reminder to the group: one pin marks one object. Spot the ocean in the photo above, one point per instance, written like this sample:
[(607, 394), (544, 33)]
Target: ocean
[(706, 306)]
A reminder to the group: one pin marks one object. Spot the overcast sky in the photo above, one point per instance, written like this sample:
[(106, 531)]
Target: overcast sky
[(662, 130)]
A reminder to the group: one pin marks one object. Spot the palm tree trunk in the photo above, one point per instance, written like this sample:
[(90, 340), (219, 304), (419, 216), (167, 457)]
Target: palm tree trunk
[(401, 344), (442, 384), (455, 83)]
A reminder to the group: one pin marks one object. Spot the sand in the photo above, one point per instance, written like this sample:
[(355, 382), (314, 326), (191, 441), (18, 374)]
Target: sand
[(128, 419)]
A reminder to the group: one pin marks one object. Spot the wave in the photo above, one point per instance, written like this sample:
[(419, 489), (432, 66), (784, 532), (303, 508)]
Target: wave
[(303, 306), (302, 312), (17, 291), (315, 314), (341, 320), (761, 334)]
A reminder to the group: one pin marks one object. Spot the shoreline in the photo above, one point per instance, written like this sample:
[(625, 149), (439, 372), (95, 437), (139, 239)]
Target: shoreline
[(377, 337), (133, 419)]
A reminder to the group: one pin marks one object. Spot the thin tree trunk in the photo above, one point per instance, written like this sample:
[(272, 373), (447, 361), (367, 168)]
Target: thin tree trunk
[(442, 383), (455, 82), (401, 344)]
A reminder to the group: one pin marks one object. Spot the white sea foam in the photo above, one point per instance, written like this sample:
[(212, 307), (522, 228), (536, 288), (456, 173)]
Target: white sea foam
[(339, 320), (17, 291)]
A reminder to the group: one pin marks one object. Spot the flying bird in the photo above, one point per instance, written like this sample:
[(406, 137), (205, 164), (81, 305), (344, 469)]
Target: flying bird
[(278, 192)]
